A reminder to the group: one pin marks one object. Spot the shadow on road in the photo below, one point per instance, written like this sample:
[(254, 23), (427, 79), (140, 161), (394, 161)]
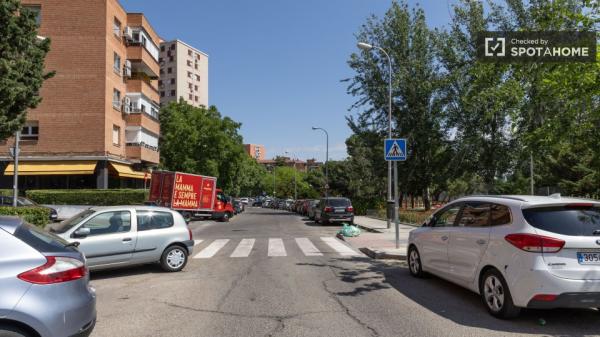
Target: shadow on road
[(456, 303), (126, 271)]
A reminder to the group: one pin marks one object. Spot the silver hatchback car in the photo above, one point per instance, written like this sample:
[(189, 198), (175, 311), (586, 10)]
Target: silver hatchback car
[(44, 284), (119, 236)]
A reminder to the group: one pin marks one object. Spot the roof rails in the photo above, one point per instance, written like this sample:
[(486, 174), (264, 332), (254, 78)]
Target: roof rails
[(496, 196)]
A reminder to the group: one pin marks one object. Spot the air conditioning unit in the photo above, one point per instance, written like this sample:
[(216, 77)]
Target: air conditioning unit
[(128, 33), (126, 105)]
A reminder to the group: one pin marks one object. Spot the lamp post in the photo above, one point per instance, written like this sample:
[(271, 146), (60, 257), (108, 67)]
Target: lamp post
[(326, 160), (368, 47), (295, 179)]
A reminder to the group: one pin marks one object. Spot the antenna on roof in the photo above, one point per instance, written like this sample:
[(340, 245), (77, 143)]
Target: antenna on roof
[(555, 195)]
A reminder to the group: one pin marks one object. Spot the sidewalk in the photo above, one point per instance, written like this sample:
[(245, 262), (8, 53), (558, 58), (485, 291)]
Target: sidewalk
[(379, 242)]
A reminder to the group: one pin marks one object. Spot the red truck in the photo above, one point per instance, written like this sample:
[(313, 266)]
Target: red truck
[(195, 196)]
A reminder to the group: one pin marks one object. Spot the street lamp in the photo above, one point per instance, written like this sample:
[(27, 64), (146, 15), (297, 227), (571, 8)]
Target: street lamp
[(272, 167), (368, 47), (295, 179), (326, 160)]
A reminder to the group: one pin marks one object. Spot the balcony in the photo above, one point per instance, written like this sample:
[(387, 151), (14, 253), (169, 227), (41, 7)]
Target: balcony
[(142, 61), (141, 152), (144, 121), (138, 85)]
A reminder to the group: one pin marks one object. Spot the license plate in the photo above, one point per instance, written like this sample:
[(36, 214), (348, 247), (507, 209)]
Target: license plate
[(339, 210), (588, 258)]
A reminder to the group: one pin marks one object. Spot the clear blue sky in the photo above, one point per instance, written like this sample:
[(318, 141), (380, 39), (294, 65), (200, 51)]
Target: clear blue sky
[(276, 65)]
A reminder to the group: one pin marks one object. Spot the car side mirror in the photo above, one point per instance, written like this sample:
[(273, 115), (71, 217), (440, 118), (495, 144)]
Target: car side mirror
[(81, 232)]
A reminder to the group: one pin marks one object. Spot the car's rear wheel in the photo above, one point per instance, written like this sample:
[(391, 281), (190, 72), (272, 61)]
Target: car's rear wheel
[(414, 262), (174, 258), (12, 331), (496, 295)]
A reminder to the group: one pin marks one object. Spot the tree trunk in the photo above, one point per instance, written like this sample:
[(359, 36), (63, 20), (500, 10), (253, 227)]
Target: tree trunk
[(401, 199), (426, 202), (412, 201)]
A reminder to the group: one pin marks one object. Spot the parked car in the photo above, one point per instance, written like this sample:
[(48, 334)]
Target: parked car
[(334, 210), (24, 202), (312, 207), (119, 236), (514, 251), (245, 201), (44, 284), (267, 203), (238, 206)]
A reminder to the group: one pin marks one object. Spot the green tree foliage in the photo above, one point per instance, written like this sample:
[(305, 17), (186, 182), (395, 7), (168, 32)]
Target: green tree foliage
[(472, 127), (21, 65), (201, 141), (285, 178)]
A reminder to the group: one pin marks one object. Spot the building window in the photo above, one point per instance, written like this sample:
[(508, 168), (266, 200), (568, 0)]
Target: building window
[(116, 99), (171, 59), (190, 53), (172, 81), (117, 27), (189, 63), (116, 135), (162, 94), (160, 60), (172, 47), (30, 131), (189, 74), (160, 83), (190, 85), (169, 70), (37, 12), (162, 48), (197, 56), (196, 98), (162, 71), (195, 88), (196, 66), (173, 93), (197, 77), (191, 97), (117, 64)]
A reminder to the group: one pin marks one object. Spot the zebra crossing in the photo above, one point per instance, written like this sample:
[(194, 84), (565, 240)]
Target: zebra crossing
[(276, 247)]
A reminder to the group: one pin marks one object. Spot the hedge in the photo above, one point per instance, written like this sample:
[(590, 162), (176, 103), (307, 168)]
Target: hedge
[(6, 193), (38, 216), (88, 197)]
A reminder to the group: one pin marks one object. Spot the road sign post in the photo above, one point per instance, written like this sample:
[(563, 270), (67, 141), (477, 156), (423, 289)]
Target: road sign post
[(395, 151)]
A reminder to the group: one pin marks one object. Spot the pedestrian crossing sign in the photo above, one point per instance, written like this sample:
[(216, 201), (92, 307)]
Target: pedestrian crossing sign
[(395, 149)]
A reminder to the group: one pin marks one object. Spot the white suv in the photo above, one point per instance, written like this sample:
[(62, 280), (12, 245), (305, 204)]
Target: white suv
[(515, 251)]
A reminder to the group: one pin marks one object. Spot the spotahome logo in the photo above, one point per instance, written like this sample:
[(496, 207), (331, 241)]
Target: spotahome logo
[(513, 47)]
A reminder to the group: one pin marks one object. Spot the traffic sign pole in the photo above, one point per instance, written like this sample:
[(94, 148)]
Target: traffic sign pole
[(395, 150), (396, 209)]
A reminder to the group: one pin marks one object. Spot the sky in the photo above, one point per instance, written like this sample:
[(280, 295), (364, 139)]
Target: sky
[(276, 65)]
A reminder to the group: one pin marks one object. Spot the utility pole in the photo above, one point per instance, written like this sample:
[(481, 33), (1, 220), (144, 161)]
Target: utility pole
[(326, 160), (531, 172), (16, 150)]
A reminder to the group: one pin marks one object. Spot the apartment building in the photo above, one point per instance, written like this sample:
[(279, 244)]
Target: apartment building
[(257, 152), (97, 126), (183, 74)]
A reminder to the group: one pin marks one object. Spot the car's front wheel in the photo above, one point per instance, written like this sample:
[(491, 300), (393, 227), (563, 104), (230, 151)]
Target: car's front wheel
[(414, 262), (496, 295), (174, 258)]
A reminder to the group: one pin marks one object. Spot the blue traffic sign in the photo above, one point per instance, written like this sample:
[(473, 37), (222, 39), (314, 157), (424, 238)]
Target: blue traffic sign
[(395, 149)]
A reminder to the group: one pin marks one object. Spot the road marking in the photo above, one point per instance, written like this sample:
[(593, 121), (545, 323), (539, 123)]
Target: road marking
[(276, 248), (338, 246), (212, 249), (307, 247), (244, 248), (197, 242)]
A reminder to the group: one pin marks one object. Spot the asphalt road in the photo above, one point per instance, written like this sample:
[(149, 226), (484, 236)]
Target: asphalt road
[(273, 288)]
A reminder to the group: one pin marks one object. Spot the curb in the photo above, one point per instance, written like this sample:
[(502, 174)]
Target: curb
[(381, 255), (368, 229)]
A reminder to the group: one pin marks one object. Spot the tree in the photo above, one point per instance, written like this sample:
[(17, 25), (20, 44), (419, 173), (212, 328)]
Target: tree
[(201, 141), (417, 105), (22, 73)]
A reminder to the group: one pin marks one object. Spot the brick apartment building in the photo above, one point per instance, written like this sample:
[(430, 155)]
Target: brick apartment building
[(97, 126), (183, 74), (300, 165), (257, 152)]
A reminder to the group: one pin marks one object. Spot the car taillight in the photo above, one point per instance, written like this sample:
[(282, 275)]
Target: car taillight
[(545, 297), (328, 209), (535, 243), (190, 232), (57, 269), (349, 209)]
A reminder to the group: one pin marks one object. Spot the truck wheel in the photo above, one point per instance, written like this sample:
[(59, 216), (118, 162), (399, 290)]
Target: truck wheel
[(226, 217), (174, 258)]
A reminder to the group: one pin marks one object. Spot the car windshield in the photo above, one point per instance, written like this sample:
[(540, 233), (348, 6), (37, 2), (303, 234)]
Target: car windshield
[(71, 222), (26, 202), (565, 220), (338, 202)]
